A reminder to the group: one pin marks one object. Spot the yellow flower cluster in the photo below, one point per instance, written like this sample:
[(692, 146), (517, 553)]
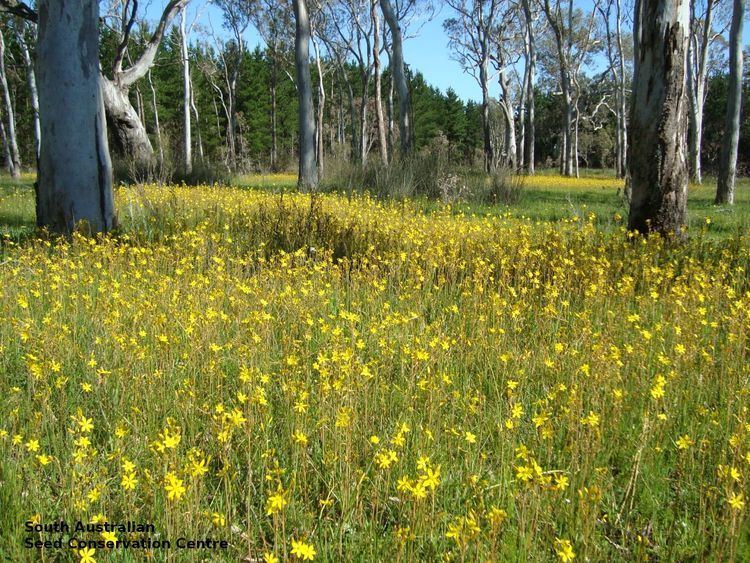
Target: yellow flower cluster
[(333, 378)]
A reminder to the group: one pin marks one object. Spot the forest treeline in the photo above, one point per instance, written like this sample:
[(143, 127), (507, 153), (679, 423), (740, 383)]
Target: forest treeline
[(243, 101)]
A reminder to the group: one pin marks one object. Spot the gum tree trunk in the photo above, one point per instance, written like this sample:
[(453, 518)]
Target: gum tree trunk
[(622, 91), (398, 75), (530, 124), (75, 172), (509, 138), (187, 140), (698, 48), (308, 170), (31, 79), (659, 118), (382, 139), (10, 115), (489, 154), (728, 162), (128, 133)]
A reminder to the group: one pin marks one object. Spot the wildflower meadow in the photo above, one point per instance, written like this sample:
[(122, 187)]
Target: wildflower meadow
[(287, 377)]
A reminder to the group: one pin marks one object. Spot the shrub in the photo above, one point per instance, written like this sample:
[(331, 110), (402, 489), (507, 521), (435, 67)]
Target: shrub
[(128, 171)]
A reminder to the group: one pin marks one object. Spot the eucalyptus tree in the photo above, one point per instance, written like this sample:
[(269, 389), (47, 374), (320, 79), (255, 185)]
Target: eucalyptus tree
[(470, 37), (351, 21), (317, 22), (508, 51), (127, 128), (728, 161), (75, 173), (574, 40), (272, 19), (527, 106), (74, 181), (658, 117), (187, 130), (237, 18), (308, 170), (25, 35), (398, 74), (376, 48), (613, 19), (10, 136), (703, 36)]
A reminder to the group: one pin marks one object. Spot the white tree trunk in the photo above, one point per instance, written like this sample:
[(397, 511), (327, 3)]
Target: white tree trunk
[(382, 139), (197, 122), (398, 75), (187, 139), (728, 162), (658, 118), (509, 138), (622, 132), (157, 123), (530, 123), (489, 153), (75, 172), (128, 132), (31, 79), (6, 150), (308, 170), (319, 139), (9, 114), (697, 79), (364, 141)]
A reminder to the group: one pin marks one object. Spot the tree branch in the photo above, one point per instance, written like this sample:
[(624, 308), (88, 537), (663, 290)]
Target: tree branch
[(19, 9), (123, 46), (139, 69)]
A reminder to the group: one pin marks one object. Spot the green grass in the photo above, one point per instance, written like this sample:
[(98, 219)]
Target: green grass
[(377, 380), (547, 197)]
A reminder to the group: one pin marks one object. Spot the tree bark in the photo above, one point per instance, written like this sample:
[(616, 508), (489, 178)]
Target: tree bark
[(31, 79), (187, 127), (567, 163), (197, 122), (6, 150), (355, 151), (75, 172), (522, 113), (157, 124), (319, 139), (509, 138), (382, 139), (530, 123), (697, 77), (128, 133), (728, 162), (308, 170), (364, 141), (274, 136), (622, 130), (398, 75), (389, 113), (489, 154), (658, 118), (10, 114)]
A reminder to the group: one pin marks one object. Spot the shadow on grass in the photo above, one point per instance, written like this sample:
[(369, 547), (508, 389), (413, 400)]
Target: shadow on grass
[(17, 220)]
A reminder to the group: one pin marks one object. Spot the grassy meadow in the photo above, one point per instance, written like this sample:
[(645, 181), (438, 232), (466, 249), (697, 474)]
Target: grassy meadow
[(339, 378)]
